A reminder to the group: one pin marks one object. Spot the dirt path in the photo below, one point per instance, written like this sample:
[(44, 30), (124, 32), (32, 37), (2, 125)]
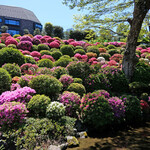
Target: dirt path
[(133, 139)]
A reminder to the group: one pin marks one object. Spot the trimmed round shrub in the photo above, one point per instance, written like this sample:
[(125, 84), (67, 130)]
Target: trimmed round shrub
[(133, 109), (12, 45), (45, 63), (67, 50), (34, 48), (26, 38), (105, 55), (111, 47), (56, 54), (58, 71), (45, 52), (10, 55), (113, 51), (91, 54), (80, 51), (96, 111), (48, 57), (11, 41), (46, 84), (36, 41), (43, 47), (72, 102), (24, 80), (13, 69), (79, 69), (77, 88), (54, 49), (77, 80), (25, 45), (55, 110), (37, 105), (93, 49), (2, 45), (5, 80), (63, 62), (35, 54), (30, 59), (12, 115)]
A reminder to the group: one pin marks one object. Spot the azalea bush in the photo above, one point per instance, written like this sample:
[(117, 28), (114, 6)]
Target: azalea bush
[(25, 45), (22, 95), (12, 114), (72, 102)]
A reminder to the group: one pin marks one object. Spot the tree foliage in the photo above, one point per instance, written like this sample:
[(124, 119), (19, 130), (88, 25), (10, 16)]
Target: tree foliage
[(48, 28)]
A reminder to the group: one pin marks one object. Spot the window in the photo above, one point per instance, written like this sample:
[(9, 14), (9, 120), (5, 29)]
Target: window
[(0, 19), (38, 26), (13, 32), (12, 22)]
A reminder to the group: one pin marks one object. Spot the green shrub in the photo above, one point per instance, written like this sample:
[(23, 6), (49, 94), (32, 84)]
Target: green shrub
[(77, 80), (24, 80), (55, 110), (111, 47), (45, 63), (12, 45), (77, 88), (37, 105), (80, 51), (58, 71), (16, 35), (105, 55), (63, 62), (34, 48), (142, 73), (56, 55), (43, 47), (78, 47), (5, 80), (46, 84), (2, 45), (133, 109), (54, 49), (67, 50), (30, 60), (45, 52), (93, 49), (79, 69), (113, 51), (96, 111), (138, 88), (144, 96), (13, 69), (10, 55)]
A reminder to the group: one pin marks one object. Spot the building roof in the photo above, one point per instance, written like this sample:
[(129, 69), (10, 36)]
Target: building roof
[(17, 12)]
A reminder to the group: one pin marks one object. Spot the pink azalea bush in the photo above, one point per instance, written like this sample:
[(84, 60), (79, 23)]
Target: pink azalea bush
[(12, 114), (36, 41), (48, 57), (54, 44), (35, 54), (25, 38), (11, 41), (15, 86), (25, 45), (19, 95), (72, 102)]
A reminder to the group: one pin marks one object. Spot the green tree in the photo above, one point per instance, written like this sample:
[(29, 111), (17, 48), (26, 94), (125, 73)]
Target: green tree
[(76, 34), (26, 31), (37, 32), (48, 28), (58, 32), (132, 11), (4, 29)]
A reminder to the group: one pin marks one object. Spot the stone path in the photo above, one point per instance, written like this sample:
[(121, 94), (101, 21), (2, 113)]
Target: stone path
[(132, 139)]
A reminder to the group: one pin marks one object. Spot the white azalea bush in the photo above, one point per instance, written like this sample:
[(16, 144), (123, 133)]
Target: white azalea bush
[(55, 110)]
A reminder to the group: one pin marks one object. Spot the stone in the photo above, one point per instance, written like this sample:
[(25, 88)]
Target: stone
[(54, 147), (83, 134), (72, 141)]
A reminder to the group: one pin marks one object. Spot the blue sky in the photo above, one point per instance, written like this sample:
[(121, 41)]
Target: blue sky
[(52, 11)]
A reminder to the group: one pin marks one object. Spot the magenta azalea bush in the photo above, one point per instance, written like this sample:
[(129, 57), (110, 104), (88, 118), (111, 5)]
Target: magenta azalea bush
[(72, 102), (25, 45), (11, 41), (19, 95), (117, 106), (12, 114)]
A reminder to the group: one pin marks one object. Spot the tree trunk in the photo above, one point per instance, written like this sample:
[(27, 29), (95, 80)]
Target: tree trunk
[(141, 8)]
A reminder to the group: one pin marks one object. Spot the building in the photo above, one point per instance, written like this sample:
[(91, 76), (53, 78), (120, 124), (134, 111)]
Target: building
[(17, 19)]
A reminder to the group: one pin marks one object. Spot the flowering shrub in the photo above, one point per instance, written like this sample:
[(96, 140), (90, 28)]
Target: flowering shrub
[(54, 44), (38, 104), (112, 63), (91, 54), (118, 107), (12, 114), (48, 57), (72, 102), (116, 57), (38, 36), (15, 86), (25, 45), (80, 51), (35, 54), (96, 111), (19, 95), (11, 41), (93, 49), (74, 43), (36, 41), (144, 107), (24, 80), (25, 52), (44, 71), (102, 50), (66, 80), (105, 55), (55, 110), (26, 38), (29, 68), (58, 71)]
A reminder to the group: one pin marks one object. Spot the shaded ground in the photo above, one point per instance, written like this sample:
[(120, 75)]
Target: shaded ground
[(132, 139)]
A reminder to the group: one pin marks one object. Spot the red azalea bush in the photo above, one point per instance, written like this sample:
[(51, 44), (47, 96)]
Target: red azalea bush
[(35, 54), (116, 57), (26, 38), (25, 45), (11, 41), (54, 44), (25, 52), (12, 114), (48, 57), (144, 107)]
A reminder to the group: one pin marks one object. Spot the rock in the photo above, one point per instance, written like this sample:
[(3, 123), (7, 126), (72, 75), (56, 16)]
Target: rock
[(54, 147), (82, 134), (63, 146), (72, 141)]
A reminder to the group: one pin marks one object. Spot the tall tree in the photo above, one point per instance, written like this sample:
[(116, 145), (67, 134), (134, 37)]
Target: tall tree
[(58, 31), (48, 28), (4, 29), (131, 11)]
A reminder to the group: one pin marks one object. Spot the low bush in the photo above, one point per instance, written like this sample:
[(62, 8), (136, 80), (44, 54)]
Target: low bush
[(63, 62), (45, 63), (93, 49), (67, 50), (43, 47)]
